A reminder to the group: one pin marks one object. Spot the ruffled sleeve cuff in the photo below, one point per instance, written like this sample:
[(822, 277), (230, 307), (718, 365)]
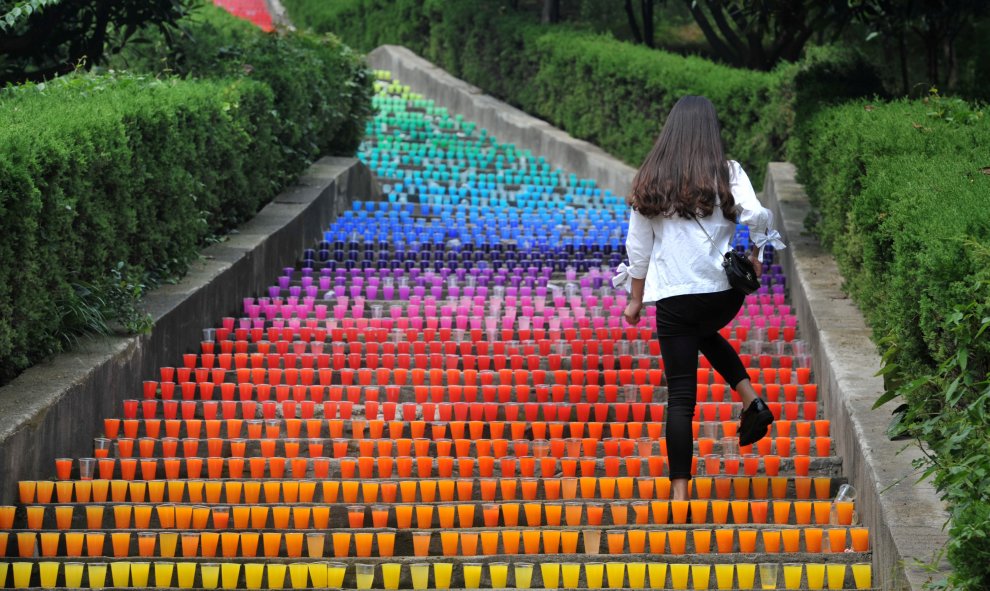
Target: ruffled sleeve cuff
[(622, 279), (771, 237)]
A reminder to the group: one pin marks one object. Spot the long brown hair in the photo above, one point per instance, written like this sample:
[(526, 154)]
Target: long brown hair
[(686, 167)]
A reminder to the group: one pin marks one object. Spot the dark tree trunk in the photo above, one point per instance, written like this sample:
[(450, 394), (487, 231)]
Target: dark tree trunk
[(902, 51), (551, 11), (633, 25), (647, 6)]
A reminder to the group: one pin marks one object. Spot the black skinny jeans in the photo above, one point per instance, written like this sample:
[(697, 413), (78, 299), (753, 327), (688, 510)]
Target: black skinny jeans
[(688, 324)]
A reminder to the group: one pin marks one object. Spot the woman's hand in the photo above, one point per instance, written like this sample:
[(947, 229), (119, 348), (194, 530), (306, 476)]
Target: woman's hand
[(757, 265), (632, 311)]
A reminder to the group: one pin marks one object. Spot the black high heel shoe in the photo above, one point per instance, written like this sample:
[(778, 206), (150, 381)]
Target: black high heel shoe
[(755, 422)]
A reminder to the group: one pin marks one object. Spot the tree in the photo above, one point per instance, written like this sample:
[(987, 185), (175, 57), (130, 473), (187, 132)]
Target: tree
[(48, 38), (936, 23), (646, 10), (758, 34), (551, 11)]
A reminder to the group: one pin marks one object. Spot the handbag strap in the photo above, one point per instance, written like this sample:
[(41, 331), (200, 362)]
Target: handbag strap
[(707, 235)]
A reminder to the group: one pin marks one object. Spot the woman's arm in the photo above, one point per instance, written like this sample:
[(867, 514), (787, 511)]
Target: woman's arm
[(752, 213), (639, 248)]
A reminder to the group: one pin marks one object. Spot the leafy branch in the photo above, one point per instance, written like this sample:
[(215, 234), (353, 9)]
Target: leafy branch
[(23, 10)]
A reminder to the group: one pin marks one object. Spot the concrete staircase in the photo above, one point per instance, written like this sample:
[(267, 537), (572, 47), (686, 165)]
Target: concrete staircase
[(442, 394)]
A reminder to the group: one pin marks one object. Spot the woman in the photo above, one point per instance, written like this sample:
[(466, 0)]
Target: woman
[(685, 203)]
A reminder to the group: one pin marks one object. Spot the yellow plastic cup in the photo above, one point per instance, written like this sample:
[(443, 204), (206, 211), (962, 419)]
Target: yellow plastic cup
[(97, 572), (679, 575), (299, 575), (570, 573), (390, 574), (209, 572), (836, 574), (186, 574), (120, 571), (746, 573), (365, 575), (550, 571), (616, 573), (472, 576), (254, 572), (335, 574), (318, 574), (420, 573), (229, 574), (637, 574), (768, 575), (49, 573), (276, 575), (523, 572), (701, 575), (22, 574), (863, 575), (442, 572), (816, 575), (73, 574), (163, 574), (792, 575), (658, 574), (723, 575), (139, 574), (499, 573), (594, 572)]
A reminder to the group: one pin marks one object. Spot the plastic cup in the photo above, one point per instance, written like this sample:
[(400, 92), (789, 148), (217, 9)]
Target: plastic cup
[(420, 573), (862, 575), (499, 573), (365, 575), (390, 574), (472, 575)]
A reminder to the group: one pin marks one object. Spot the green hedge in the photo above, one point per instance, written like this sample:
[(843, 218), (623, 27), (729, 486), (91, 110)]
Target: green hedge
[(611, 93), (112, 181), (903, 191)]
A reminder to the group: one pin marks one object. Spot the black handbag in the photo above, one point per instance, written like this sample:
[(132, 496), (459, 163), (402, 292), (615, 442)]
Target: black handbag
[(738, 269)]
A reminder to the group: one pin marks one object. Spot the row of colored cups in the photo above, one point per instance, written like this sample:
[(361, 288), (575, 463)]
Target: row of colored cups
[(304, 575)]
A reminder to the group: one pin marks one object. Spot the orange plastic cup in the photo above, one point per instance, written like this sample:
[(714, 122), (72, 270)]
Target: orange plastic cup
[(837, 539), (677, 539), (616, 541), (702, 540), (823, 510), (510, 541), (747, 541), (421, 543), (362, 543), (791, 540), (489, 543), (860, 539), (813, 539), (469, 543), (341, 544), (724, 538), (771, 541)]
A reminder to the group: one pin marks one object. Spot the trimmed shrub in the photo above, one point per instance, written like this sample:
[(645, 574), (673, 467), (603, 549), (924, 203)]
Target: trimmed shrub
[(903, 189), (101, 169), (111, 182)]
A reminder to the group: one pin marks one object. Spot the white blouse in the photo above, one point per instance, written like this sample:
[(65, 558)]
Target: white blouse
[(675, 256)]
